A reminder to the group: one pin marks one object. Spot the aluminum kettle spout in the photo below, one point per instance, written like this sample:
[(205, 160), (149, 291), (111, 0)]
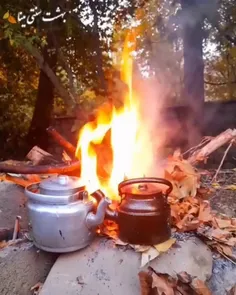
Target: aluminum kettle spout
[(95, 219)]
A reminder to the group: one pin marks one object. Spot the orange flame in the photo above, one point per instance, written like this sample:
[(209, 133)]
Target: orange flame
[(131, 147)]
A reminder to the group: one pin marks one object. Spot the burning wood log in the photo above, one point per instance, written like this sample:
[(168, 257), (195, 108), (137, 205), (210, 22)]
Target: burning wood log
[(61, 140), (42, 169), (218, 141), (17, 180)]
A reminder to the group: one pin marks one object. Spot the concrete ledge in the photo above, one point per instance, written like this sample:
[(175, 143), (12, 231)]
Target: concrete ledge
[(21, 267), (104, 269)]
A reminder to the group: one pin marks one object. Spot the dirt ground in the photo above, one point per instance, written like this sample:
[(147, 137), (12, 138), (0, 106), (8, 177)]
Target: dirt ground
[(223, 200)]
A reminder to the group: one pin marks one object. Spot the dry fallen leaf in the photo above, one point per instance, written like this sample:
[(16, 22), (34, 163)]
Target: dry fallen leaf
[(162, 284), (232, 291), (145, 281), (225, 250), (3, 244), (230, 187), (183, 176), (148, 256), (216, 185), (140, 248), (220, 234), (223, 223), (152, 283), (200, 287), (184, 277), (120, 243), (163, 247), (205, 214)]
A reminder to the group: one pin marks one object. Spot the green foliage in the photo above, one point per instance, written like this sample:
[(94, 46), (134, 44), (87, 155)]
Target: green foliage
[(82, 66)]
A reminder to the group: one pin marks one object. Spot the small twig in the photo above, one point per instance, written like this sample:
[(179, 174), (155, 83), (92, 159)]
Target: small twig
[(217, 142), (226, 257), (222, 161), (205, 140), (16, 228)]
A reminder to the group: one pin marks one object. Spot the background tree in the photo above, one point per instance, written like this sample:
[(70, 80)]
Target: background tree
[(80, 61)]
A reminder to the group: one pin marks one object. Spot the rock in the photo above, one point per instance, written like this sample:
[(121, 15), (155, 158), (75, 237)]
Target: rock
[(105, 269), (22, 267), (192, 256)]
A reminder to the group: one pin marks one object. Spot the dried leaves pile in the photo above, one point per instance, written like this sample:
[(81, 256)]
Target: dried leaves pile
[(190, 211), (153, 283)]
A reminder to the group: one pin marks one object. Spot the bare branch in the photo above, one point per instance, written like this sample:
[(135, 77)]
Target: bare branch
[(220, 83), (68, 98), (66, 66)]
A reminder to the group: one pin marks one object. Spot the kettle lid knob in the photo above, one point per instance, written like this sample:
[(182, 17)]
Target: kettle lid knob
[(63, 179)]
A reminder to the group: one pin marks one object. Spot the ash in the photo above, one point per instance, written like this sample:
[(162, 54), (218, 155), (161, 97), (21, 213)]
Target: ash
[(183, 236)]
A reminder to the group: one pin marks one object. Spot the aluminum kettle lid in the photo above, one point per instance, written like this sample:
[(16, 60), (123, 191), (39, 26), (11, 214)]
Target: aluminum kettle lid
[(61, 183)]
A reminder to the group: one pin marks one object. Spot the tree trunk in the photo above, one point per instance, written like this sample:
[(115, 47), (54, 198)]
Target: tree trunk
[(193, 68), (97, 48), (37, 134)]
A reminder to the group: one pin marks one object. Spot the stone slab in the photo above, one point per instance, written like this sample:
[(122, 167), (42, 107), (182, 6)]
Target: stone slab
[(104, 269)]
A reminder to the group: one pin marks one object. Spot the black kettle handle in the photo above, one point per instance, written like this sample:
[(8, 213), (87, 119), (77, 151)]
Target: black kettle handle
[(146, 180)]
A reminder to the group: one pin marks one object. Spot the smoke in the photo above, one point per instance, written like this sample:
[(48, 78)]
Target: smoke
[(151, 95)]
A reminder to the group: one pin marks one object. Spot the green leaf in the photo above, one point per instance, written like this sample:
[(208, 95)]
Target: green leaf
[(6, 15)]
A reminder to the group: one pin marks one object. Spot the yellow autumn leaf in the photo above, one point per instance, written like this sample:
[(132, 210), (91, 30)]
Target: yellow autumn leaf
[(148, 256), (231, 187), (6, 15), (140, 248), (163, 247), (12, 20), (215, 185), (2, 76)]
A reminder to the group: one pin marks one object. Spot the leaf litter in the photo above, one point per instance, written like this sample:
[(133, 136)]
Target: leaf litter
[(190, 213), (154, 283)]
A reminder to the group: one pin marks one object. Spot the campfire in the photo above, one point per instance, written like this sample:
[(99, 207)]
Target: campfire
[(117, 145)]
